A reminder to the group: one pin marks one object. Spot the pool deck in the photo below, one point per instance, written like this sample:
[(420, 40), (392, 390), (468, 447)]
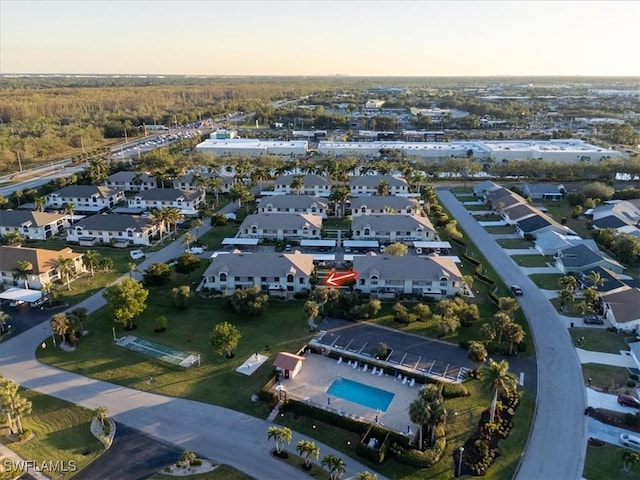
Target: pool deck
[(318, 373)]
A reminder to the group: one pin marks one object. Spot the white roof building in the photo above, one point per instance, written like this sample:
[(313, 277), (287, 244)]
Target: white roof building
[(253, 147)]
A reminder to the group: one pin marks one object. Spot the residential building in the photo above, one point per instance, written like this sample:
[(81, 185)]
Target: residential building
[(43, 264), (276, 273), (581, 258), (33, 225), (314, 185), (379, 205), (85, 198), (543, 191), (392, 228), (158, 198), (294, 204), (436, 277), (203, 181), (131, 181), (362, 185), (622, 308), (616, 215), (123, 230), (482, 188), (281, 226), (551, 242)]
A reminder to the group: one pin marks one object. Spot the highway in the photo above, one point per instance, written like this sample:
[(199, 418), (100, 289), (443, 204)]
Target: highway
[(557, 442)]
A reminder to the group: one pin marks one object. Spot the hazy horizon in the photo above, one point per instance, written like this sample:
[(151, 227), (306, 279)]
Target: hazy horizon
[(321, 39)]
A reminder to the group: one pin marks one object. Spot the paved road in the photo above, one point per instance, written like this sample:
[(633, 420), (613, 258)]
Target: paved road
[(557, 443)]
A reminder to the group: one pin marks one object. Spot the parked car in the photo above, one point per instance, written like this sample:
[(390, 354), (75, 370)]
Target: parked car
[(195, 250), (593, 320), (137, 254), (630, 441), (628, 401), (517, 291)]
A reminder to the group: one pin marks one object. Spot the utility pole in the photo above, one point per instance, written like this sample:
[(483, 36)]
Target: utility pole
[(82, 144), (19, 161)]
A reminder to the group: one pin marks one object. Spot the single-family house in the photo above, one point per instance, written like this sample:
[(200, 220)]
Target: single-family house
[(622, 308), (608, 280), (581, 258), (436, 276), (131, 181), (534, 225), (482, 188), (294, 204), (363, 185), (43, 265), (314, 185), (517, 212), (85, 198), (121, 230), (33, 225), (392, 228), (381, 205), (158, 198), (503, 198), (543, 191), (204, 181), (551, 242), (279, 274), (281, 226), (626, 213)]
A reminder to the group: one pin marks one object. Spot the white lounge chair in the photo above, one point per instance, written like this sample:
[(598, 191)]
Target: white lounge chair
[(380, 372), (404, 380), (355, 364), (349, 363), (412, 382), (373, 371), (339, 360), (365, 368)]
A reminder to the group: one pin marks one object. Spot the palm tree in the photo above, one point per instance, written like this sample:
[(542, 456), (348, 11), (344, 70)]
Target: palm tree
[(172, 216), (187, 238), (338, 196), (477, 353), (215, 183), (39, 204), (335, 465), (629, 459), (500, 321), (14, 237), (98, 170), (297, 183), (68, 209), (102, 415), (280, 435), (497, 377), (438, 417), (307, 449), (383, 188), (159, 217), (22, 271), (196, 223), (59, 326), (595, 279), (366, 476), (419, 413), (91, 259), (515, 334), (66, 268)]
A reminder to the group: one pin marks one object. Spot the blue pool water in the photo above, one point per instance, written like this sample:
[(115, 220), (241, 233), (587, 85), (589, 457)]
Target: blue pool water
[(361, 394)]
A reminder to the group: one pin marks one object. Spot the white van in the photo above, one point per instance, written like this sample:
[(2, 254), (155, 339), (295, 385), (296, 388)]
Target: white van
[(630, 441)]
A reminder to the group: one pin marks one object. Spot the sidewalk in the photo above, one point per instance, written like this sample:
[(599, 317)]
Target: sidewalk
[(615, 360)]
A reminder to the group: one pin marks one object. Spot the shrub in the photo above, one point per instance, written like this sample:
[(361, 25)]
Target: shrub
[(631, 383), (634, 376), (301, 295), (26, 433), (106, 428), (453, 390), (157, 274)]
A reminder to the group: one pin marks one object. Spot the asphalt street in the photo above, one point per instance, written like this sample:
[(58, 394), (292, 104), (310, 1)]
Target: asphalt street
[(557, 442)]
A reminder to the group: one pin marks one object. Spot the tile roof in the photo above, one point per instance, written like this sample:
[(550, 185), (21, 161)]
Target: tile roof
[(261, 264), (167, 194), (127, 176), (282, 220), (42, 260), (625, 304), (17, 218), (293, 201), (309, 180), (86, 191), (408, 267), (395, 222), (379, 202), (374, 180), (114, 223)]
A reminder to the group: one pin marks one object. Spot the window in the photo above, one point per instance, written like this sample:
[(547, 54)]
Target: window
[(237, 279), (443, 282), (263, 279), (363, 210), (301, 281), (374, 280), (289, 278), (367, 231), (254, 229), (223, 277)]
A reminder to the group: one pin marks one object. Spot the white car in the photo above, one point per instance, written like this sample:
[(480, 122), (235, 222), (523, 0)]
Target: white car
[(137, 254), (630, 441), (195, 250)]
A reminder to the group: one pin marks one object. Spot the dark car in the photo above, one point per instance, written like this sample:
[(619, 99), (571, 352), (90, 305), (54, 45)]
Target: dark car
[(593, 320), (628, 401), (517, 291)]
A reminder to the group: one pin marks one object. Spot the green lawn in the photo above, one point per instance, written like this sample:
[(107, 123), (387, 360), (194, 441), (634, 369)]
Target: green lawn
[(214, 237), (561, 209), (500, 229), (605, 376), (222, 472), (62, 433), (477, 208), (572, 310), (462, 421), (547, 281), (600, 340), (513, 243), (605, 463), (531, 260), (462, 190), (334, 223)]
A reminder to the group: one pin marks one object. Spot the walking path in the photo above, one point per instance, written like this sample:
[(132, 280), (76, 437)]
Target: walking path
[(224, 435), (522, 251), (539, 270)]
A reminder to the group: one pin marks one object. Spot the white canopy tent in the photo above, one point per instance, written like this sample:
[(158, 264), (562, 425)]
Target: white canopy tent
[(21, 294)]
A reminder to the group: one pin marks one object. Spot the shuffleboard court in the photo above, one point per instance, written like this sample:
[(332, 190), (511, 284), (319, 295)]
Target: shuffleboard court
[(158, 351)]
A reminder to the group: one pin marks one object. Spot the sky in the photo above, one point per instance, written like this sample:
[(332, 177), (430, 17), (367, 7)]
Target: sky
[(348, 37)]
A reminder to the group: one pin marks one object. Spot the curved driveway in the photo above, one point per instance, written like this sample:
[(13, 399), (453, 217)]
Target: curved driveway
[(557, 443)]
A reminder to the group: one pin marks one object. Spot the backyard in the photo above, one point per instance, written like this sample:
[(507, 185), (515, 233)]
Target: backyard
[(600, 339), (606, 377)]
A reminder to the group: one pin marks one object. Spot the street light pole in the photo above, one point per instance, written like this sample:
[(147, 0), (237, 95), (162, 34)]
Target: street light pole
[(461, 450)]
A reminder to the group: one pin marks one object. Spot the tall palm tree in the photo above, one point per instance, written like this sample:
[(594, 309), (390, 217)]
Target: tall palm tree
[(159, 218), (499, 380), (173, 216), (419, 413), (98, 170), (102, 415), (68, 209), (91, 259), (196, 223), (338, 196), (307, 449), (366, 476), (477, 353), (66, 268), (59, 326), (297, 183), (383, 188), (215, 183), (280, 435), (39, 203), (335, 465), (187, 238), (595, 279), (438, 417), (515, 334), (629, 459), (22, 270)]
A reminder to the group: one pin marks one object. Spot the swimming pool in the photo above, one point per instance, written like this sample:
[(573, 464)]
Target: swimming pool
[(361, 394)]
